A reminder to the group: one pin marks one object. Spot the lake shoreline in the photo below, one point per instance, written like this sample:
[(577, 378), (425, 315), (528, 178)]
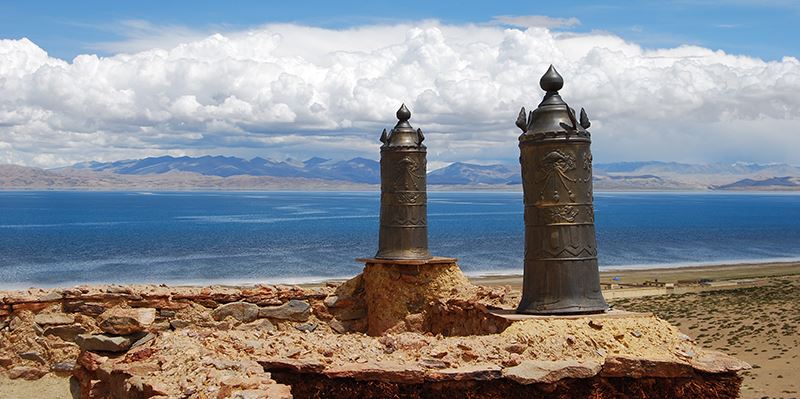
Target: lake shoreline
[(723, 271), (714, 272)]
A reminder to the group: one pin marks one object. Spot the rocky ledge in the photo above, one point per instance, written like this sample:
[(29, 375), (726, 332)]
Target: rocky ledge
[(458, 340)]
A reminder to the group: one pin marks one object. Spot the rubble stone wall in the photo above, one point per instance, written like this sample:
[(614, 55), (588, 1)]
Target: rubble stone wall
[(446, 338)]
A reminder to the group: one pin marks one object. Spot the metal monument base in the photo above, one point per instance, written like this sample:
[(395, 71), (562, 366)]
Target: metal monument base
[(435, 260), (511, 315)]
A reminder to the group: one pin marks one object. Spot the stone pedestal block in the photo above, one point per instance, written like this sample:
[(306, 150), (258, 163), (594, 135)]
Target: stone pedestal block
[(396, 291)]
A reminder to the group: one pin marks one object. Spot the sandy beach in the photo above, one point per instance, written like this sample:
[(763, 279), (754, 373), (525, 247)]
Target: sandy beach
[(687, 275)]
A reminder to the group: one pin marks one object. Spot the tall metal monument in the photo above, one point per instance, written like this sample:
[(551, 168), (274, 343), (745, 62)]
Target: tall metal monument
[(561, 274), (404, 210)]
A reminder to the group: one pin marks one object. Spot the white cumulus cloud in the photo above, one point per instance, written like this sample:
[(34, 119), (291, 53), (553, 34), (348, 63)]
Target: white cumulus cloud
[(290, 90)]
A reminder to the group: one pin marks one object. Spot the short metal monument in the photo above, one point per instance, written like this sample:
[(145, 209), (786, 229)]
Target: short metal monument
[(403, 276), (561, 274), (404, 202)]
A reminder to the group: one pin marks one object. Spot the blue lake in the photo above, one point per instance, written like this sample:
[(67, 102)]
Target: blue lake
[(65, 238)]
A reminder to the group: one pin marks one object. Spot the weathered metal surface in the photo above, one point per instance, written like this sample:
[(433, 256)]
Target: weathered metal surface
[(404, 203), (561, 274)]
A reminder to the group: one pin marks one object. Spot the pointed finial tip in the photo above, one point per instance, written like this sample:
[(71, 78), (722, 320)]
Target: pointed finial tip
[(551, 80), (403, 114)]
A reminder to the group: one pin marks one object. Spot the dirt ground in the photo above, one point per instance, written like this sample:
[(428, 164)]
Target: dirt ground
[(756, 324), (45, 388)]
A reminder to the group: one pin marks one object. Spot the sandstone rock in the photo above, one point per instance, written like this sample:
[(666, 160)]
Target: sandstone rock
[(6, 362), (469, 356), (75, 387), (65, 332), (160, 326), (337, 326), (430, 363), (516, 348), (34, 307), (106, 343), (478, 372), (298, 366), (293, 310), (34, 356), (118, 289), (90, 361), (512, 360), (121, 321), (51, 319), (330, 300), (143, 340), (63, 367), (717, 362), (411, 342), (544, 371), (224, 364), (178, 324), (89, 309), (15, 323), (351, 288), (306, 327), (52, 296), (135, 355), (242, 311), (137, 387), (277, 391), (230, 385), (596, 324), (26, 373)]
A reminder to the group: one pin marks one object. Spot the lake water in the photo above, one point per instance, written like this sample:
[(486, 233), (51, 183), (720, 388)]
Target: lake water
[(65, 238)]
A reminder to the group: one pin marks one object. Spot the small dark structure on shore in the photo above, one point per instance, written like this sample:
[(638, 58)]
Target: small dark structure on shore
[(561, 274), (404, 201)]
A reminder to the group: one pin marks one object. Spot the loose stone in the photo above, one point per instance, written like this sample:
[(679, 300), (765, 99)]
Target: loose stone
[(120, 321), (294, 310), (242, 311), (65, 332), (51, 319), (104, 343)]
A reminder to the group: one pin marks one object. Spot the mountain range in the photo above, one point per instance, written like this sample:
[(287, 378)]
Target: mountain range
[(356, 170), (221, 172)]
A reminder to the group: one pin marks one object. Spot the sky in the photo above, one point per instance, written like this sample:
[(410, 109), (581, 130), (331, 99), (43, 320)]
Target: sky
[(687, 81)]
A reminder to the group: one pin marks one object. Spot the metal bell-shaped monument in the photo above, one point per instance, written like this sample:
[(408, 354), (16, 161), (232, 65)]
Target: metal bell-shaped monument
[(561, 274), (403, 231)]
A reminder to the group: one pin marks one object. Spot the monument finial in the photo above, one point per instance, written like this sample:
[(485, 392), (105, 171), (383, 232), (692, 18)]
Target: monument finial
[(403, 114), (551, 80)]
